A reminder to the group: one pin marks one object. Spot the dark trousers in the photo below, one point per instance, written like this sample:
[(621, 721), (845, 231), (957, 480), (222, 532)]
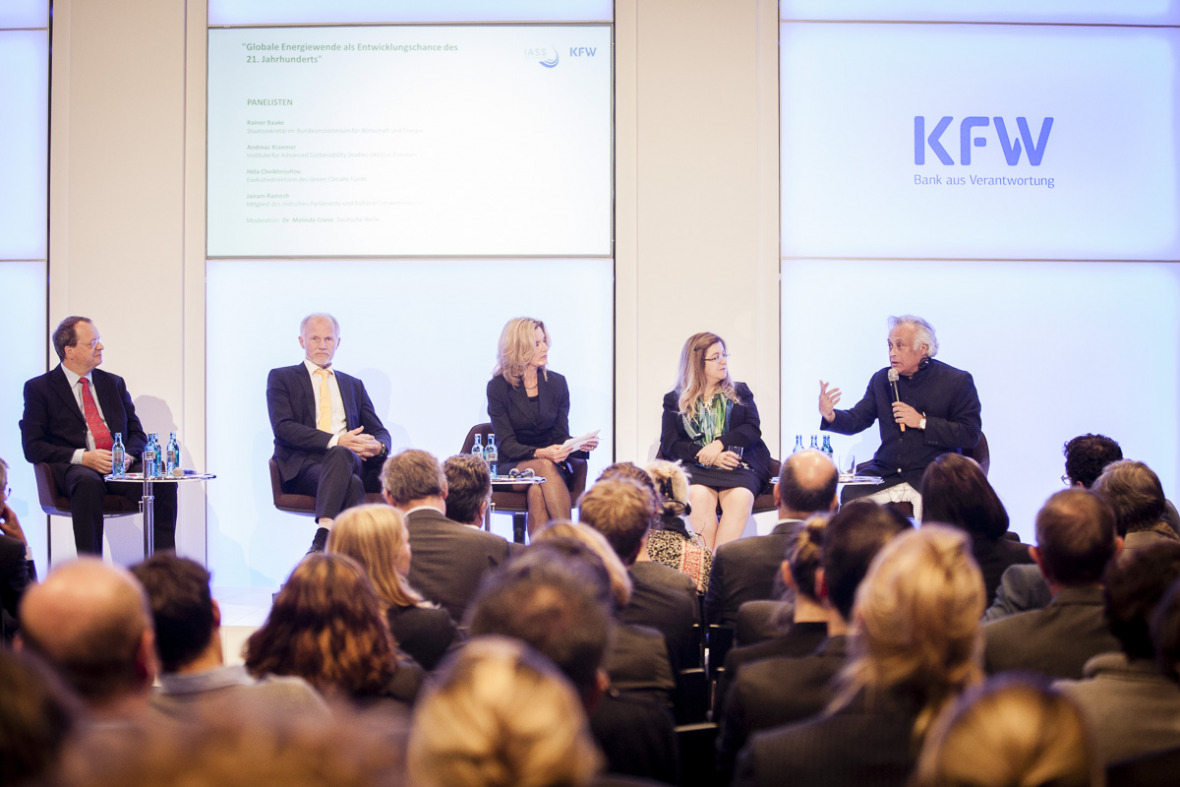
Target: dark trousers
[(87, 490), (338, 480)]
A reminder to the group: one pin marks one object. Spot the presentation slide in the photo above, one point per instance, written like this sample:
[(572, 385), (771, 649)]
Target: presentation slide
[(24, 143), (979, 141), (416, 140)]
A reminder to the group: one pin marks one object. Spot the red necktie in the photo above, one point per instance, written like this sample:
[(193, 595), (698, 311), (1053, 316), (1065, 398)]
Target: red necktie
[(102, 435)]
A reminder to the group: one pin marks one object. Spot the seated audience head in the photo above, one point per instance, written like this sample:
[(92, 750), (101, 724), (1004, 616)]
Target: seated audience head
[(37, 714), (326, 626), (560, 533), (1135, 493), (413, 477), (1134, 586), (1165, 632), (91, 622), (469, 488), (916, 621), (631, 472), (1013, 731), (518, 342), (956, 492), (184, 613), (557, 605), (375, 536), (257, 744), (672, 486), (806, 484), (851, 541), (1076, 538), (1086, 456), (804, 560), (622, 511), (500, 715)]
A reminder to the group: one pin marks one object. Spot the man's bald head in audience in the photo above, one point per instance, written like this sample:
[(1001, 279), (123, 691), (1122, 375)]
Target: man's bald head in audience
[(1076, 537), (806, 484), (91, 622)]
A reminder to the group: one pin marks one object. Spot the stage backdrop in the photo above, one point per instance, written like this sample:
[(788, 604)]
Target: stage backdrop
[(1016, 185)]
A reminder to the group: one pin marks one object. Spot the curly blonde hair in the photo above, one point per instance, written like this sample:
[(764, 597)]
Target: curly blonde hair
[(516, 347)]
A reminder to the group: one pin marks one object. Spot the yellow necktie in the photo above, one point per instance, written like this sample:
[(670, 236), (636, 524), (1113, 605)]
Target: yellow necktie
[(324, 421)]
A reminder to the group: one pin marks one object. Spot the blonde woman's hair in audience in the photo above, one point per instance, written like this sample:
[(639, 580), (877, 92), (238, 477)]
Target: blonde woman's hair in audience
[(672, 484), (1014, 731), (500, 715), (805, 553), (375, 535), (516, 348), (916, 622), (620, 580)]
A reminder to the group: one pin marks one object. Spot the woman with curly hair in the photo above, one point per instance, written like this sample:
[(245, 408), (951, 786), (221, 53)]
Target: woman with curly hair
[(375, 536), (326, 627)]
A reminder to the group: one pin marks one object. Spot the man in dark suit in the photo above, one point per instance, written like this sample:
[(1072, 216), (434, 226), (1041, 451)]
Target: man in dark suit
[(72, 415), (16, 562), (661, 597), (448, 559), (329, 441), (745, 570), (1076, 538)]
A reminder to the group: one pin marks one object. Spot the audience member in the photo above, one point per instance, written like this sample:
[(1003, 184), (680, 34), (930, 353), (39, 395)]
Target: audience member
[(469, 489), (256, 747), (91, 622), (1086, 456), (637, 659), (1130, 705), (449, 558), (37, 715), (326, 627), (557, 601), (669, 541), (1076, 538), (785, 689), (956, 492), (661, 597), (807, 627), (375, 536), (1010, 732), (500, 715), (1134, 491), (746, 570), (193, 674), (16, 562), (914, 650)]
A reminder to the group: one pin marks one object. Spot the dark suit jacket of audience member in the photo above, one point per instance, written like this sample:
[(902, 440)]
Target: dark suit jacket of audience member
[(15, 575), (1056, 641), (762, 620), (638, 663), (801, 639), (1022, 588), (777, 691), (449, 558), (423, 633), (994, 556), (746, 570), (637, 736), (1152, 770), (863, 743), (666, 600)]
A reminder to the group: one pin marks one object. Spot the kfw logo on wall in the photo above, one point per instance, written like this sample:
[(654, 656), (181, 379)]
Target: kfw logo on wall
[(975, 132)]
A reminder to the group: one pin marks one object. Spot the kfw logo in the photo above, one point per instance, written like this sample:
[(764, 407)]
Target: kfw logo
[(969, 137), (583, 51)]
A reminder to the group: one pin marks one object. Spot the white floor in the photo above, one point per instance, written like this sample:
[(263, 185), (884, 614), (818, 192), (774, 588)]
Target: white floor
[(242, 611)]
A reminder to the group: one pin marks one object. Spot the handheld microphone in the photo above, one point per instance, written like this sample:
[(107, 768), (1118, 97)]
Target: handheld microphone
[(893, 375)]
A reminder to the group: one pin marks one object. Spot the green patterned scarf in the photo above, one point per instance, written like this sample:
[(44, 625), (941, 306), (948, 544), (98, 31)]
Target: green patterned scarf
[(709, 422)]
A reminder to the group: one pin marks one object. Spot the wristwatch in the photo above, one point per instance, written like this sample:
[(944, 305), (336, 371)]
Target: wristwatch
[(922, 423)]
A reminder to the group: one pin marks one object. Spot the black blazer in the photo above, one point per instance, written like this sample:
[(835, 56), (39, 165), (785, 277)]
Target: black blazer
[(518, 432), (449, 559), (746, 570), (53, 426), (15, 575), (425, 634), (291, 403), (744, 429)]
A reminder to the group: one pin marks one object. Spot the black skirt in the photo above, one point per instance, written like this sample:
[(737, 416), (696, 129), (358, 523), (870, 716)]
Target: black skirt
[(719, 478)]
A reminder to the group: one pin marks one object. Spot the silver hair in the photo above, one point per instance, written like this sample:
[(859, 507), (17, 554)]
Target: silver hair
[(924, 331), (303, 323)]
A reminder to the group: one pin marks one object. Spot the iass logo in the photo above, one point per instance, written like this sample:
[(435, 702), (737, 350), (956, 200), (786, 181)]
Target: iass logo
[(546, 56), (972, 134)]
